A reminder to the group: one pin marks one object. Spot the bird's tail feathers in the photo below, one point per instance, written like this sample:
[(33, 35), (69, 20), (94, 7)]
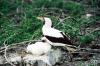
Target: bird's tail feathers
[(71, 48)]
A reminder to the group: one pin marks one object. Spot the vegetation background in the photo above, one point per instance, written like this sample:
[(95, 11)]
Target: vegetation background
[(18, 19)]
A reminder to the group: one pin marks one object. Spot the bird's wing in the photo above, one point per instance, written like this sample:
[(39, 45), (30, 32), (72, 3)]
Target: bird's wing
[(66, 39), (55, 36), (52, 32)]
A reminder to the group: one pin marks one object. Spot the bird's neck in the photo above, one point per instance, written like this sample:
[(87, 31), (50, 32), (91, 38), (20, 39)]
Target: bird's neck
[(48, 22)]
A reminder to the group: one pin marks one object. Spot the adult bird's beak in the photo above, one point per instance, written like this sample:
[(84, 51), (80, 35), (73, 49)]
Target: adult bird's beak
[(40, 18)]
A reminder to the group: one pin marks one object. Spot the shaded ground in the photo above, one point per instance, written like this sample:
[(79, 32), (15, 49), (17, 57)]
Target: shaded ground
[(82, 58)]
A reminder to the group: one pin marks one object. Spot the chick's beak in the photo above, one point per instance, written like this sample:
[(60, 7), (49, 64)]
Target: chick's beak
[(40, 18)]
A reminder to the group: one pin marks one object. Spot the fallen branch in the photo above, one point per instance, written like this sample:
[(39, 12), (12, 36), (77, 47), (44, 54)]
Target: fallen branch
[(5, 54)]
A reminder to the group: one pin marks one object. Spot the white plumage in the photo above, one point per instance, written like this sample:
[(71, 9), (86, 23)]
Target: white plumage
[(48, 30), (51, 32), (39, 48)]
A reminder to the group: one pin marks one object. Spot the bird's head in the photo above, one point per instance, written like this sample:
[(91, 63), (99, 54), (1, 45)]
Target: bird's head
[(46, 20), (43, 39), (41, 18)]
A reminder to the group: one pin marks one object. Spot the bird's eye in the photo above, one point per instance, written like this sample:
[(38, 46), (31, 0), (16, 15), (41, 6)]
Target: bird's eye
[(43, 40)]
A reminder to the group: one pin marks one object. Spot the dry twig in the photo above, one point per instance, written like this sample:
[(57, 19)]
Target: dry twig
[(5, 54)]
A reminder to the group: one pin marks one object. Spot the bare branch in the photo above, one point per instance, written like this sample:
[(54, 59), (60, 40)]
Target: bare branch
[(5, 54)]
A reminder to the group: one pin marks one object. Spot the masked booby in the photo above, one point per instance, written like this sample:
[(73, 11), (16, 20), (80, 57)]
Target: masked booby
[(54, 36), (39, 51), (39, 48)]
